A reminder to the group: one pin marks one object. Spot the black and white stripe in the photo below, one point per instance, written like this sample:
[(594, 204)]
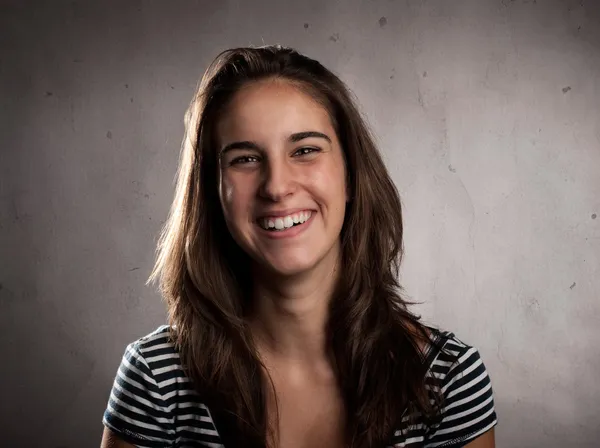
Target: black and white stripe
[(152, 403), (468, 408)]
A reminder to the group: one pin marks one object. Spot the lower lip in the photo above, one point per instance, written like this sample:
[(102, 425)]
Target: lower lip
[(288, 233)]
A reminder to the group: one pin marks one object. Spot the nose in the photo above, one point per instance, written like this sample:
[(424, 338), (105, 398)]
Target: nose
[(277, 181)]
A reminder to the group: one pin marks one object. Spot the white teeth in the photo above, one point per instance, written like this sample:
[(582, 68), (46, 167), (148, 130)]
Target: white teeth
[(286, 221)]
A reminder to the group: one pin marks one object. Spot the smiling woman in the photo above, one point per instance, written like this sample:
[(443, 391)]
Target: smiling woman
[(281, 175), (279, 265)]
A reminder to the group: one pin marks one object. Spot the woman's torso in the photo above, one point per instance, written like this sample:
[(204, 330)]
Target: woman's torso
[(153, 399)]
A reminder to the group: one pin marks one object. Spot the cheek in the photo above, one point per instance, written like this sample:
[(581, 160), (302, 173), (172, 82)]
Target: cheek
[(236, 199), (227, 195), (331, 182), (226, 192)]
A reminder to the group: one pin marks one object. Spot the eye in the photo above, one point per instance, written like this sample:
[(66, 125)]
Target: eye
[(243, 160), (305, 151)]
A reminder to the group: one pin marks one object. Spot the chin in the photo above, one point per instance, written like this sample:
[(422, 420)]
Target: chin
[(289, 268)]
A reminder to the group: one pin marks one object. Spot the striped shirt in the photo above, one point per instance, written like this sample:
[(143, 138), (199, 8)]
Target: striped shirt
[(153, 404)]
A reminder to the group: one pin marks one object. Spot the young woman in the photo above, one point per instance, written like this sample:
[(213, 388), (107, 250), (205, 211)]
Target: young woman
[(279, 266)]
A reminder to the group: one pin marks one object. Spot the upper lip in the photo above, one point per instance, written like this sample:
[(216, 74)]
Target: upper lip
[(280, 213)]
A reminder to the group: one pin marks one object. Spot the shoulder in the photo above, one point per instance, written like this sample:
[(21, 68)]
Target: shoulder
[(155, 346), (152, 401), (448, 357), (158, 338), (152, 356), (446, 351), (148, 365), (458, 373)]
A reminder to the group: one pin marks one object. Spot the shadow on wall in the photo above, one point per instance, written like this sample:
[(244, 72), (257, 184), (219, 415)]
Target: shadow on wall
[(48, 365), (536, 425)]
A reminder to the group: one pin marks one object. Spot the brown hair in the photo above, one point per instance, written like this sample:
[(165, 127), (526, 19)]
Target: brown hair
[(376, 343)]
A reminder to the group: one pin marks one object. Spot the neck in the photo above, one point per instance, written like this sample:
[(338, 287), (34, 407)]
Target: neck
[(290, 314)]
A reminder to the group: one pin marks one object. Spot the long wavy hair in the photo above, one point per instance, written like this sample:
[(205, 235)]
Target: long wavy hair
[(374, 340)]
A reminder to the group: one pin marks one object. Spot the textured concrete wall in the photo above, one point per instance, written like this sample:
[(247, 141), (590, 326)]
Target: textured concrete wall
[(488, 114)]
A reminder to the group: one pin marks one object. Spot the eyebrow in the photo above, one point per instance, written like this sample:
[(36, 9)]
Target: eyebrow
[(293, 138)]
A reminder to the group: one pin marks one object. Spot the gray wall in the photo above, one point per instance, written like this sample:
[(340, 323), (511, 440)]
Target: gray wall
[(488, 115)]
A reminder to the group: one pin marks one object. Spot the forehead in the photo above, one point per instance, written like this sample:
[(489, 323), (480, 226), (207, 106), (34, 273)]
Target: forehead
[(271, 109)]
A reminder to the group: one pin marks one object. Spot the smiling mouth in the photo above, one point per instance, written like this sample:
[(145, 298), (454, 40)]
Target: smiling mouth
[(279, 224)]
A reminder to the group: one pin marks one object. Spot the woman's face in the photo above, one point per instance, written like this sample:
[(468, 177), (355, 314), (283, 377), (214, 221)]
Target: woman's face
[(282, 179)]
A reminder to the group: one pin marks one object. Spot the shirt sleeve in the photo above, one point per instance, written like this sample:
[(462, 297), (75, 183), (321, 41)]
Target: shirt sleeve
[(468, 409), (136, 409)]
